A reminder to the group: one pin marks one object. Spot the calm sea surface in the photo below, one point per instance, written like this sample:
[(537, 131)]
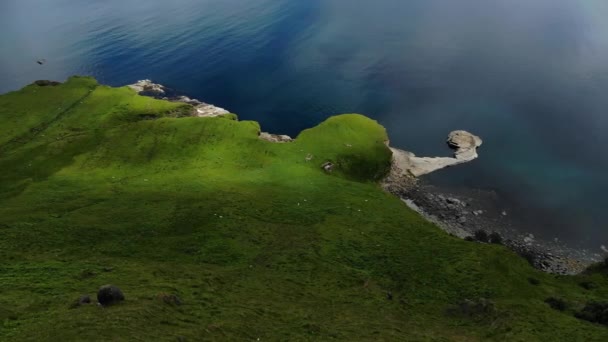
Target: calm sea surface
[(529, 76)]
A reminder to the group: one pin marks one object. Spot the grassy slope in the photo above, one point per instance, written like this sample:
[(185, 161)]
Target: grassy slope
[(255, 240)]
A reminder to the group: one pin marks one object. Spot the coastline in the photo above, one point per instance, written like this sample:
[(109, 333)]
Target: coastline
[(467, 212), (463, 214)]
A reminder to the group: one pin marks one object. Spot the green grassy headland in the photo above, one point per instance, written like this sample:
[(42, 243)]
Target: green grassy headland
[(100, 186)]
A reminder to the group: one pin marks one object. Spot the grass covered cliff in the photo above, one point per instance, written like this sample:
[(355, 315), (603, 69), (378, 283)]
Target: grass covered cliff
[(102, 186)]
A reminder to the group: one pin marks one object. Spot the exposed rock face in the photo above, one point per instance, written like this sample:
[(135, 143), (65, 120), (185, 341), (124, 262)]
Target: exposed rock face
[(147, 88), (158, 91), (277, 138), (464, 143), (201, 109), (207, 110)]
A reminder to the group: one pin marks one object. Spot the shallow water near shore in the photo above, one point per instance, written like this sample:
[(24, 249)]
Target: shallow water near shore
[(529, 77)]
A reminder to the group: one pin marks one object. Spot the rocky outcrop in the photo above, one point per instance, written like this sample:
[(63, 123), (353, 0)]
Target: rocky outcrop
[(328, 167), (277, 138), (464, 143), (467, 213), (147, 88), (109, 294), (201, 109), (158, 91), (465, 216)]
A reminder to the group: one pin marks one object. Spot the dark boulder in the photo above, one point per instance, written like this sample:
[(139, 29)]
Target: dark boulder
[(481, 236), (109, 294), (596, 312), (495, 238), (556, 303)]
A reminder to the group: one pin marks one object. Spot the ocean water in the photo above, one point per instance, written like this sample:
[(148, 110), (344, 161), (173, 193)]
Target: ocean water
[(529, 76)]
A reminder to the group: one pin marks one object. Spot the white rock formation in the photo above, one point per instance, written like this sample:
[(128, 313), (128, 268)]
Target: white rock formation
[(201, 109), (208, 110), (277, 138), (464, 143), (146, 86)]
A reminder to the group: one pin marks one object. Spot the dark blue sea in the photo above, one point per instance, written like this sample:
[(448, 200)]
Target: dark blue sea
[(529, 76)]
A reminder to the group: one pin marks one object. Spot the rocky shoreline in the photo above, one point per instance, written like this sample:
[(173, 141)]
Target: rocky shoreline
[(158, 91), (478, 215), (200, 109), (474, 215)]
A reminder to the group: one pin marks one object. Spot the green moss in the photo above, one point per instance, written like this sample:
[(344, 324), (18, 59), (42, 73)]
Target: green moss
[(353, 142), (255, 239)]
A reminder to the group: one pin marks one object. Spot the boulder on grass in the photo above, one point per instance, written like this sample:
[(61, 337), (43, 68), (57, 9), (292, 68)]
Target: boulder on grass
[(596, 312), (109, 294)]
